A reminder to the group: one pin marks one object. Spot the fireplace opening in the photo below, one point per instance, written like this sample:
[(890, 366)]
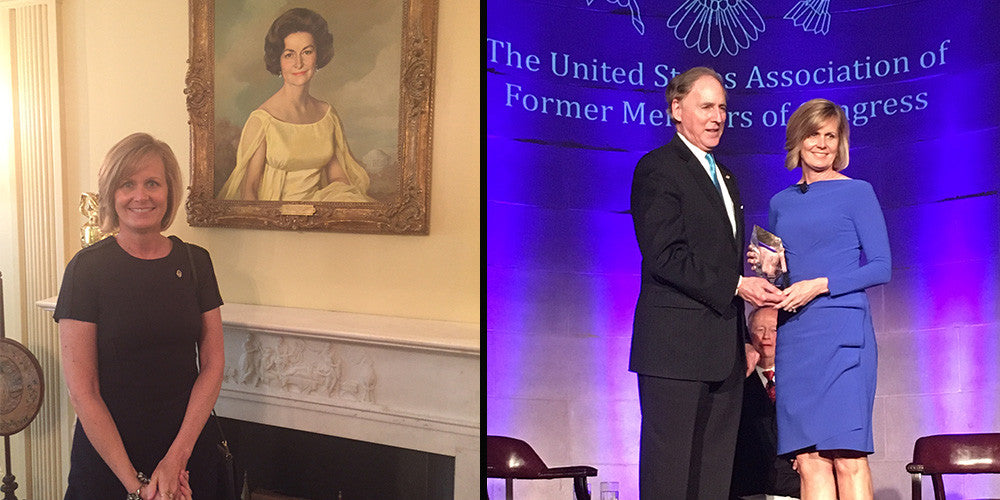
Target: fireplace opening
[(311, 466)]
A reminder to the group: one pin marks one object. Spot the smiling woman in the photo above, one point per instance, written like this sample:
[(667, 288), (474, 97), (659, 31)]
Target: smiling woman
[(141, 198), (139, 170), (140, 333), (836, 246)]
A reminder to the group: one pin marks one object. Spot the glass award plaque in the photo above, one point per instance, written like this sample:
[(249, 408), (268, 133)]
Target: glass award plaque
[(771, 257)]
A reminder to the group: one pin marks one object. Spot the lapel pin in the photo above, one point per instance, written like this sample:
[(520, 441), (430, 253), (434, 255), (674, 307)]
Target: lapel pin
[(179, 273)]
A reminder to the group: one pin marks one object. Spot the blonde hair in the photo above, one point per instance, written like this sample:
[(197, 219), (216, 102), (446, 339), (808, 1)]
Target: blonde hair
[(808, 119), (121, 162)]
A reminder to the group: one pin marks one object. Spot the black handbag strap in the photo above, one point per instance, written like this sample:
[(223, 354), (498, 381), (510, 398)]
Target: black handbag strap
[(194, 270), (194, 277)]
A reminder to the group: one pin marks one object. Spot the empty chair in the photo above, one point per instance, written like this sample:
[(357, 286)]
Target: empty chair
[(953, 454), (511, 459)]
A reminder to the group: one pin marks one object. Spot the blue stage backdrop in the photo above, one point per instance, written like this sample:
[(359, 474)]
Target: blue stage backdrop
[(575, 96)]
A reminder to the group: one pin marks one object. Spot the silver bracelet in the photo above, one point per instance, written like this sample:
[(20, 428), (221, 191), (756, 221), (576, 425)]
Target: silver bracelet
[(143, 480)]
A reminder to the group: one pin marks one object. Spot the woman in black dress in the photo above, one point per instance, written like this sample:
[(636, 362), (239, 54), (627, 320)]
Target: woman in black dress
[(141, 337)]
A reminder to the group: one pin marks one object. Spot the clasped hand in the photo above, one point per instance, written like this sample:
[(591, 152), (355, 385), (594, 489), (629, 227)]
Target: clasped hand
[(801, 293), (172, 485), (759, 292), (790, 299)]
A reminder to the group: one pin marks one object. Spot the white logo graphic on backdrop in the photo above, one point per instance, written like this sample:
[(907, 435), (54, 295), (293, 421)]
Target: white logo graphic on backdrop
[(812, 15), (716, 25), (633, 9)]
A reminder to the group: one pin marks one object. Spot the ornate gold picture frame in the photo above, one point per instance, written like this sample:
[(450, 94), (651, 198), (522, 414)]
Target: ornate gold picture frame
[(400, 188)]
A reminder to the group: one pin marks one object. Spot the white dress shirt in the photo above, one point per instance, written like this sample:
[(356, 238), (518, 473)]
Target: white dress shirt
[(762, 377), (726, 198)]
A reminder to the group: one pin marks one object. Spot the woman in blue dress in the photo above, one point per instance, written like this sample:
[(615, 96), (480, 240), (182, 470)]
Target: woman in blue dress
[(826, 353)]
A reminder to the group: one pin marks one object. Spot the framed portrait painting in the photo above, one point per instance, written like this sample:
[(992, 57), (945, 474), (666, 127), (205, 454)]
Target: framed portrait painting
[(311, 114)]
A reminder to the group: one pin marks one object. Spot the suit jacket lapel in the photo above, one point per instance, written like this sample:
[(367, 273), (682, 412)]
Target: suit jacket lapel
[(707, 187), (734, 194), (701, 178)]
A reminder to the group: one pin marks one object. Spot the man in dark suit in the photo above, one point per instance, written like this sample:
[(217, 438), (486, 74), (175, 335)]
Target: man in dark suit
[(687, 338), (758, 472)]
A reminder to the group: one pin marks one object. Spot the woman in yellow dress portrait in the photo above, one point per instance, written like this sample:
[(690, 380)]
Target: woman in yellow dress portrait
[(292, 147)]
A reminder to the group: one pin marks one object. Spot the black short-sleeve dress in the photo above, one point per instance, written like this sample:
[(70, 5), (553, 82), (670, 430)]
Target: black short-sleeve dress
[(148, 317)]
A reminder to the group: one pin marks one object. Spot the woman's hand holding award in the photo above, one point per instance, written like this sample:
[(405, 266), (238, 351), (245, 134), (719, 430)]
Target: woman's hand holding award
[(770, 262)]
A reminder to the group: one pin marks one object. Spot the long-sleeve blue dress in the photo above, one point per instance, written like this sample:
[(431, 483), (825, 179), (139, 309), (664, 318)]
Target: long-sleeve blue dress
[(826, 352)]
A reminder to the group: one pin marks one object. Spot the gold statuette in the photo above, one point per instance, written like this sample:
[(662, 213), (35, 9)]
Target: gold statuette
[(91, 232)]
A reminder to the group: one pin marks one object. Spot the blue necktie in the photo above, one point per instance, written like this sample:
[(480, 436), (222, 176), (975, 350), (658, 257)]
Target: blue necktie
[(711, 171)]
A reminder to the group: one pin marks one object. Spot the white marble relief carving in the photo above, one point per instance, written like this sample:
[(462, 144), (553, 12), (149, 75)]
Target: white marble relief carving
[(330, 372), (307, 367), (249, 367)]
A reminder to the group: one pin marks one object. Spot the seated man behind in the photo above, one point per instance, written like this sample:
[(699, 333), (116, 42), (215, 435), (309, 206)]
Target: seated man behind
[(758, 472)]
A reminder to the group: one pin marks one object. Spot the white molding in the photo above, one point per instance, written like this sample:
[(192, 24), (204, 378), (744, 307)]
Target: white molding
[(38, 160), (417, 334)]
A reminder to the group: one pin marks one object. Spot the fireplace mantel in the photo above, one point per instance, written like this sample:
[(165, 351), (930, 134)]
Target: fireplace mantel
[(402, 382), (407, 333)]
